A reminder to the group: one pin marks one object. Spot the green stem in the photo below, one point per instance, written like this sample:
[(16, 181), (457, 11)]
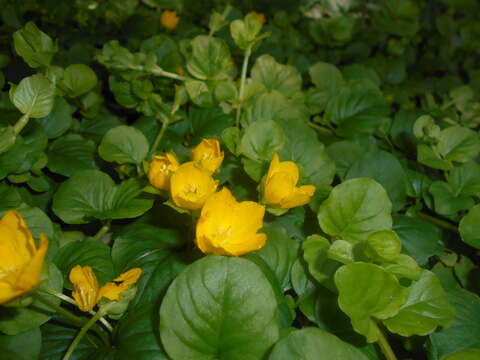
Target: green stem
[(69, 300), (442, 223), (385, 346), (75, 320), (20, 124), (103, 230), (161, 72), (160, 135), (243, 79), (80, 335)]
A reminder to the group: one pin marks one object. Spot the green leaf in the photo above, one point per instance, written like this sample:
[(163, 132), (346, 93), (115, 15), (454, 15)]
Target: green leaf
[(320, 266), (355, 209), (470, 227), (368, 292), (356, 111), (15, 320), (303, 148), (124, 144), (261, 140), (306, 343), (151, 249), (446, 203), (463, 332), (426, 156), (326, 77), (372, 165), (136, 335), (56, 338), (345, 154), (383, 246), (219, 307), (37, 221), (426, 308), (23, 155), (8, 136), (79, 79), (420, 239), (71, 153), (34, 46), (279, 253), (274, 76), (89, 252), (92, 194), (210, 59), (59, 120), (459, 144), (34, 96), (208, 123), (465, 179), (470, 354), (23, 346), (244, 32)]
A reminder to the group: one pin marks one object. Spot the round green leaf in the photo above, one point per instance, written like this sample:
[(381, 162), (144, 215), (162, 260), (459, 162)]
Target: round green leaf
[(463, 332), (355, 209), (356, 111), (34, 96), (274, 76), (458, 143), (470, 227), (262, 139), (89, 252), (136, 337), (470, 354), (367, 292), (372, 165), (151, 249), (210, 59), (124, 144), (219, 307), (426, 308), (59, 120), (326, 77), (34, 46), (305, 344), (279, 253), (92, 194), (383, 246), (71, 153), (420, 239), (23, 346), (79, 79)]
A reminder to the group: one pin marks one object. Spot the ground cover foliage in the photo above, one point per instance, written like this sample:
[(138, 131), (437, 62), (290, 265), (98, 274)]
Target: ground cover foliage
[(216, 179)]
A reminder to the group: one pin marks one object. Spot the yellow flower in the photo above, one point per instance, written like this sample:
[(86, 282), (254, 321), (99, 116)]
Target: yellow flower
[(279, 186), (85, 287), (260, 17), (160, 170), (191, 185), (208, 154), (112, 290), (229, 227), (21, 261), (169, 19), (87, 293)]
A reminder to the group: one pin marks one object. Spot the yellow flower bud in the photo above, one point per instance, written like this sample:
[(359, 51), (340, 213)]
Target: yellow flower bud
[(279, 186), (87, 293), (21, 261), (260, 17), (160, 170), (191, 185), (208, 154), (229, 227), (85, 287), (169, 19)]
